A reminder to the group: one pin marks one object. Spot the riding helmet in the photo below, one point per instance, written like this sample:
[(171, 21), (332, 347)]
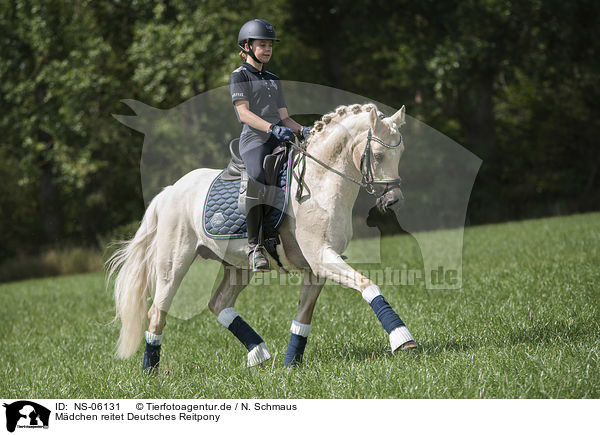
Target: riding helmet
[(256, 29)]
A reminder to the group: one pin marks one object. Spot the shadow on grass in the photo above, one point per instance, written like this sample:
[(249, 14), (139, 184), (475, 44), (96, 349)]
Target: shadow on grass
[(545, 333), (539, 333), (550, 332), (435, 347), (361, 353)]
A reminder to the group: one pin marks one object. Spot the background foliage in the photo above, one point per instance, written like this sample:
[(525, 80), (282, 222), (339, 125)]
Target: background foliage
[(517, 83)]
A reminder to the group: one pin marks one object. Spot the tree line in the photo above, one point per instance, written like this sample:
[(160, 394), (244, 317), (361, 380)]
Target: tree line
[(516, 83)]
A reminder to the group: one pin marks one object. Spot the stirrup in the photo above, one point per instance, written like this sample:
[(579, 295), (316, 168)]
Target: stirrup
[(255, 251)]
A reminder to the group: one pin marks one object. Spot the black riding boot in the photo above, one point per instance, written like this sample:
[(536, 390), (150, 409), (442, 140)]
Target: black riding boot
[(256, 255)]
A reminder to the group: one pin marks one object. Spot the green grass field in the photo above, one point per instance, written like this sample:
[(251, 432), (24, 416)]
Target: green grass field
[(526, 324)]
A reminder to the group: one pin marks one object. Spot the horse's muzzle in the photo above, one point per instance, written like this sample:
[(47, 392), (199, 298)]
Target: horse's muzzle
[(389, 200)]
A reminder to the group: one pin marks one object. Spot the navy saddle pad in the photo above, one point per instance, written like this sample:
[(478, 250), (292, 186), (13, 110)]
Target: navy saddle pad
[(223, 219)]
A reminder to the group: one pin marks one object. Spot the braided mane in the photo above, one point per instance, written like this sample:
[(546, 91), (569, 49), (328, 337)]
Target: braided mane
[(339, 114)]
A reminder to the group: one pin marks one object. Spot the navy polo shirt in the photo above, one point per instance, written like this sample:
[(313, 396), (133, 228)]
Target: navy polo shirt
[(262, 90)]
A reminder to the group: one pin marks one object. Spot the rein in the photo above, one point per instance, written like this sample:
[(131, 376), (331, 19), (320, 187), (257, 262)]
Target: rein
[(368, 181)]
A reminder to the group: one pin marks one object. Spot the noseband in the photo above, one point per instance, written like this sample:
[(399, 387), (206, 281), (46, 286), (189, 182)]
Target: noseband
[(368, 181)]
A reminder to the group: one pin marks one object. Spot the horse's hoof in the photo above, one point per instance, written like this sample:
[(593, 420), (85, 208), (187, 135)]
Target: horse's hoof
[(155, 371), (151, 371), (408, 345), (260, 366)]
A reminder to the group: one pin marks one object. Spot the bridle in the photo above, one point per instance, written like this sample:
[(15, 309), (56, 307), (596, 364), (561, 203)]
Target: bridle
[(366, 169), (368, 181)]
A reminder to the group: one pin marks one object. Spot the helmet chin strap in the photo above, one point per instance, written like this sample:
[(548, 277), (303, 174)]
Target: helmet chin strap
[(250, 52)]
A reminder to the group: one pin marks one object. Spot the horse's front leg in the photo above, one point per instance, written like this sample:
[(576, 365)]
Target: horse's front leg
[(325, 262), (300, 329)]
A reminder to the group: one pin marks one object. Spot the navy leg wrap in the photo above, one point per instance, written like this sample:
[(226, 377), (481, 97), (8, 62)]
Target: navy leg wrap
[(151, 357), (295, 350), (386, 315), (245, 333)]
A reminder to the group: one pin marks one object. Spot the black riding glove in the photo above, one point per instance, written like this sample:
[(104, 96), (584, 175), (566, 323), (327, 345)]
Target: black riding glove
[(305, 131), (282, 133)]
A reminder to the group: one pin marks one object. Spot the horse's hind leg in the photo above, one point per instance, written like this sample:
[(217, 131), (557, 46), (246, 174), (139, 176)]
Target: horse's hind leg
[(311, 289), (221, 305), (175, 252)]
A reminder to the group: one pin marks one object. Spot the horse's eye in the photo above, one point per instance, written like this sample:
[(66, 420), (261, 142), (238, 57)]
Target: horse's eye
[(378, 157)]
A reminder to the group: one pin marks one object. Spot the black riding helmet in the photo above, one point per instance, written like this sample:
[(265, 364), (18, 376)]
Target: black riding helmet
[(255, 29)]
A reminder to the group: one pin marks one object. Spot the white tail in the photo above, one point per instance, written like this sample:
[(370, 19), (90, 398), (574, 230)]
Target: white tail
[(135, 267)]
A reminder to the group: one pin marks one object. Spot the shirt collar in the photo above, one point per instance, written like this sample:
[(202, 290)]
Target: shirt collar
[(251, 68)]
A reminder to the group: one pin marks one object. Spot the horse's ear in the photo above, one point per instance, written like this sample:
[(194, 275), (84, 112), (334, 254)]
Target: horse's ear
[(374, 119), (398, 118)]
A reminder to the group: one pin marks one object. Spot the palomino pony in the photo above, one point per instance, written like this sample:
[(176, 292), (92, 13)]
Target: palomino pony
[(350, 143)]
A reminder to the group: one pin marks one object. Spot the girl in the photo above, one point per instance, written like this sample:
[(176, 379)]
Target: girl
[(259, 104)]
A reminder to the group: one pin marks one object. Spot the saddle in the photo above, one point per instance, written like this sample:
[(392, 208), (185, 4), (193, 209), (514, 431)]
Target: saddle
[(236, 170), (225, 206)]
